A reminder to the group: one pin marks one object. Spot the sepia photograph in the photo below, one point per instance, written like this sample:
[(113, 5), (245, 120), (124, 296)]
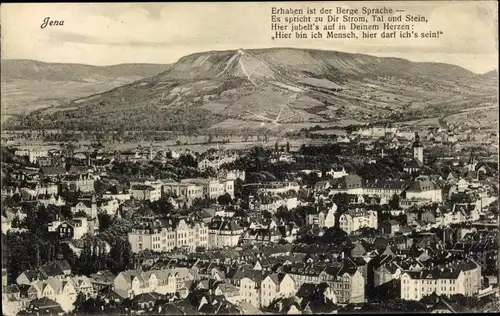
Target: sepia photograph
[(247, 158)]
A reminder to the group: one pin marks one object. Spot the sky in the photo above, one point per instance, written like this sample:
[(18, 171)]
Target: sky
[(114, 33)]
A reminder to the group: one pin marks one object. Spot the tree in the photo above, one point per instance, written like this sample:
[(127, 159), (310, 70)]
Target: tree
[(16, 197), (120, 256), (394, 202), (105, 221), (224, 199), (287, 147), (276, 146)]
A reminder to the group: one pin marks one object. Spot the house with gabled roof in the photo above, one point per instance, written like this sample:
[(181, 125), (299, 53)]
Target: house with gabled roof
[(132, 282), (276, 285), (424, 189)]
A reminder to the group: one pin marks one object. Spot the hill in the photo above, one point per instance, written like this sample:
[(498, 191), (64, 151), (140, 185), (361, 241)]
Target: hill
[(28, 85), (241, 89), (493, 74), (22, 69)]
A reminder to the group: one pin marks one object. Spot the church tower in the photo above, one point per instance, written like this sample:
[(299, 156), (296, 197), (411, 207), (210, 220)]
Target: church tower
[(418, 149), (93, 207), (471, 164)]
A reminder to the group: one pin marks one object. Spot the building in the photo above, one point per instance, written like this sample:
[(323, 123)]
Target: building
[(424, 189), (36, 188), (188, 191), (458, 213), (279, 187), (385, 189), (32, 155), (453, 278), (191, 189), (418, 149), (86, 206), (212, 188), (165, 235), (274, 286), (271, 203), (356, 219), (346, 279), (350, 184), (390, 227), (144, 192), (417, 162), (322, 218), (6, 224), (337, 172), (216, 161), (166, 281), (224, 233), (250, 287), (73, 229), (78, 182)]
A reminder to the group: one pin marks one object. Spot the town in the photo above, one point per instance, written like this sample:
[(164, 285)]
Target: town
[(373, 219)]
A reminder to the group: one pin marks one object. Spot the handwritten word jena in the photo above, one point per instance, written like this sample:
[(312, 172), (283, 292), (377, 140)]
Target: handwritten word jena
[(48, 22)]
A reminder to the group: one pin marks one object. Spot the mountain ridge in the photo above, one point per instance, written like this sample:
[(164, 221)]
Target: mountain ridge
[(29, 69), (207, 89)]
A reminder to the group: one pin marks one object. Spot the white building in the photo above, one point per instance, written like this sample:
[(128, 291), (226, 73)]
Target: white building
[(356, 219), (276, 285), (167, 281), (336, 173), (166, 235), (213, 188), (453, 278), (32, 155), (224, 233), (138, 189)]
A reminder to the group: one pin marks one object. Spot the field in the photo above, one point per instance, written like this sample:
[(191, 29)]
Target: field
[(236, 143)]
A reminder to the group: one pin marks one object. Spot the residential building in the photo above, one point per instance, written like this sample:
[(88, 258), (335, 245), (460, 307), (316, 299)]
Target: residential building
[(36, 188), (78, 182), (355, 219), (424, 189), (279, 187), (452, 278), (337, 172), (188, 191), (350, 184), (346, 279), (165, 235), (144, 192), (323, 218), (224, 233), (212, 188), (166, 281), (73, 229), (32, 155), (276, 285), (384, 188)]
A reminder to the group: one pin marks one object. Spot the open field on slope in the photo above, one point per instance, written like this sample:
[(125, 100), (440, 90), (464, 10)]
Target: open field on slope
[(485, 118)]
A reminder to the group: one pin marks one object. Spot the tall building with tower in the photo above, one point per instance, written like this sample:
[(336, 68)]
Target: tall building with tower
[(417, 163), (418, 149), (471, 164)]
